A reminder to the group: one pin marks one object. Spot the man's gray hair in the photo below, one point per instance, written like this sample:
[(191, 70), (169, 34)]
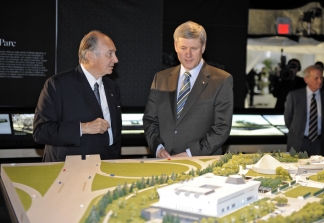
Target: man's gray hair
[(88, 43), (308, 70), (190, 30)]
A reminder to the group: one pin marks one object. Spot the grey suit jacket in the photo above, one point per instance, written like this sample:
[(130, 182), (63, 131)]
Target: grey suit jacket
[(206, 118), (66, 101), (296, 117)]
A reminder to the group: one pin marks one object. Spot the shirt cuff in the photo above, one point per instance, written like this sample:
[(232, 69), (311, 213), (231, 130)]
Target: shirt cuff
[(188, 152), (158, 149)]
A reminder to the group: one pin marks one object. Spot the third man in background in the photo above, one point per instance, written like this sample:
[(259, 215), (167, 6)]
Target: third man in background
[(304, 114)]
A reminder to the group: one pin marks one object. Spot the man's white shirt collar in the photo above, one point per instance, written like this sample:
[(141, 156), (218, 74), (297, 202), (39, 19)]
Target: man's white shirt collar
[(310, 93), (91, 78), (194, 72)]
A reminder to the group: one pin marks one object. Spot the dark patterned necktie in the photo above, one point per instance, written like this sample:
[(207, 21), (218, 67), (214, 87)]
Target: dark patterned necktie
[(313, 132), (96, 92), (183, 94)]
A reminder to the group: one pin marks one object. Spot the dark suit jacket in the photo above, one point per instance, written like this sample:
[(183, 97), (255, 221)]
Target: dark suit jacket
[(296, 117), (206, 118), (67, 100)]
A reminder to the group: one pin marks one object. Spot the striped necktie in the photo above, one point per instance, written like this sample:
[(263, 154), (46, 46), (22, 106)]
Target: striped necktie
[(183, 94), (96, 92), (313, 132)]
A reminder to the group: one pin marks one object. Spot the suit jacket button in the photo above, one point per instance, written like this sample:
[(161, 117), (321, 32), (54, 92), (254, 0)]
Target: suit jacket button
[(175, 132)]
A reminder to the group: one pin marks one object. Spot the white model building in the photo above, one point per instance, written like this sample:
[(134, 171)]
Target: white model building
[(268, 165), (316, 159), (208, 195)]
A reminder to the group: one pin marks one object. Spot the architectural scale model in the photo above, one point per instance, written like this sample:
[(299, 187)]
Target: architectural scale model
[(208, 195), (125, 190)]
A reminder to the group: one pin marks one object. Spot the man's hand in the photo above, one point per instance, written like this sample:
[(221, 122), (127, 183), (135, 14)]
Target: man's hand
[(163, 154), (98, 126), (184, 154)]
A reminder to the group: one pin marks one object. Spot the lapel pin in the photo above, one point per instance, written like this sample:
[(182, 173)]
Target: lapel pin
[(112, 95)]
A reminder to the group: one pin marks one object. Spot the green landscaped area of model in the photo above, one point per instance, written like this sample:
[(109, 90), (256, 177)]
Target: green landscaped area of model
[(250, 212), (133, 203), (25, 198), (206, 160), (141, 169), (102, 182), (39, 177), (127, 208), (188, 162), (251, 173), (300, 191), (314, 178)]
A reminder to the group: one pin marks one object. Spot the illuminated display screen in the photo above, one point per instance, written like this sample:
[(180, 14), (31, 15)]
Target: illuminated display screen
[(249, 121), (275, 119), (22, 123), (132, 123), (5, 124), (253, 125)]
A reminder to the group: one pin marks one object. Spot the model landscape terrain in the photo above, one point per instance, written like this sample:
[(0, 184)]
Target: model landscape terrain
[(261, 187)]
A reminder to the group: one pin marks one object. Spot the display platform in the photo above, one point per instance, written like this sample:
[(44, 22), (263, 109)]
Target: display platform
[(143, 190)]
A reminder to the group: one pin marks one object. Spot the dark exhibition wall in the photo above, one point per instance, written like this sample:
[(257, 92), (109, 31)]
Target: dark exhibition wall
[(142, 32), (27, 51)]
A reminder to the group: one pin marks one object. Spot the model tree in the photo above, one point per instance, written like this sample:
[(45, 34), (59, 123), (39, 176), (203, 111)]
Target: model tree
[(292, 152), (320, 175), (135, 191), (94, 216), (101, 207), (271, 207), (115, 194), (152, 181), (144, 199), (283, 173), (132, 214), (125, 189), (131, 188), (114, 209), (281, 201)]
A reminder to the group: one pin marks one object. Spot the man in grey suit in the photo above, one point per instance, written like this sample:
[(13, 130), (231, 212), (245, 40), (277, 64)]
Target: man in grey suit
[(299, 112), (190, 106), (78, 111)]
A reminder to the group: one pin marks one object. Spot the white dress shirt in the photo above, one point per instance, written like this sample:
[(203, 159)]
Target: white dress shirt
[(103, 100)]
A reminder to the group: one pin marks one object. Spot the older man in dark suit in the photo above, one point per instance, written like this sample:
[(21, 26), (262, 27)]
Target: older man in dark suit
[(304, 114), (190, 106), (78, 112)]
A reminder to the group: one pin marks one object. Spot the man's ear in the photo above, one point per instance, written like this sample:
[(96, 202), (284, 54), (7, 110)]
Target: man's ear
[(203, 48), (305, 79), (90, 55)]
